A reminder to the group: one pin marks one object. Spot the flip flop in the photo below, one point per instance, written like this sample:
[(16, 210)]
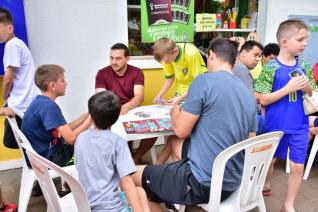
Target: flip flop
[(267, 192)]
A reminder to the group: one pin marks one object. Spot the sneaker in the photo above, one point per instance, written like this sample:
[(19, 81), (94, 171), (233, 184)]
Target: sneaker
[(8, 207), (63, 193)]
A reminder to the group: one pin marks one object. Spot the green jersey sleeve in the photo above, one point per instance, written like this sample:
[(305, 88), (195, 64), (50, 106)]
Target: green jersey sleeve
[(265, 81)]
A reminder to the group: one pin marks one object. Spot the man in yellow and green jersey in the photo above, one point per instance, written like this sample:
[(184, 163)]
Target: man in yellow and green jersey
[(180, 61)]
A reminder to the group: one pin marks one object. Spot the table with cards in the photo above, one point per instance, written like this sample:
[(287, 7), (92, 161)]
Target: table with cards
[(158, 112)]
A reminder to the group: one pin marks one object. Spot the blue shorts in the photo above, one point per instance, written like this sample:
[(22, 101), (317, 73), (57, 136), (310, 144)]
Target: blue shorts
[(297, 144), (261, 125), (316, 122)]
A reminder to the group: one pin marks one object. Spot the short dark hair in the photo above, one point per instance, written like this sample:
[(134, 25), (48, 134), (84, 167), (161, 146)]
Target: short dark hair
[(47, 73), (271, 48), (121, 46), (249, 45), (104, 108), (5, 16), (224, 49)]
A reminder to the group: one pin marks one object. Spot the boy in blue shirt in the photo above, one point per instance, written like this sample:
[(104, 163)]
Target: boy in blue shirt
[(44, 124), (103, 160), (282, 83)]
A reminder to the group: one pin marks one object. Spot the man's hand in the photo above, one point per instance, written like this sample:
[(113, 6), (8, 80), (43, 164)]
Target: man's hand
[(297, 83), (176, 109), (124, 110), (174, 101)]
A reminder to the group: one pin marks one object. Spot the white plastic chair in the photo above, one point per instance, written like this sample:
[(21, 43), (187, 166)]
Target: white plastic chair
[(310, 161), (287, 163), (311, 158), (28, 176), (259, 152), (75, 201)]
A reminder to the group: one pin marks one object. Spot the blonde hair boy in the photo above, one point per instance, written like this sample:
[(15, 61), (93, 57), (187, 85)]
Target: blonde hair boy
[(282, 83)]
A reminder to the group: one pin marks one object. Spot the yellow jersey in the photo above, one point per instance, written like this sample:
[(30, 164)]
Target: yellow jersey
[(188, 64), (257, 70)]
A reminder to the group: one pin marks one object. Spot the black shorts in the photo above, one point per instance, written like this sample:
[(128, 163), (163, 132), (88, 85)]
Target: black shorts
[(61, 157), (63, 154), (175, 183), (8, 137), (185, 147)]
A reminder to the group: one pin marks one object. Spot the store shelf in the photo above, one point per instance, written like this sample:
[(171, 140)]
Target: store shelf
[(235, 30), (134, 7)]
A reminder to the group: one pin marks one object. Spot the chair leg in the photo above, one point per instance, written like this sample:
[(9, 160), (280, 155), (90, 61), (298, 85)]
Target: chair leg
[(287, 163), (182, 208), (312, 155), (261, 205), (153, 154), (27, 180)]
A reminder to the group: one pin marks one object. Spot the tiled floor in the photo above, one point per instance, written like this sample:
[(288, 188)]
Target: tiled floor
[(307, 200)]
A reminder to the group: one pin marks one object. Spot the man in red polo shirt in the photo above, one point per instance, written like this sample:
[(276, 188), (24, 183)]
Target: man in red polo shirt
[(127, 82)]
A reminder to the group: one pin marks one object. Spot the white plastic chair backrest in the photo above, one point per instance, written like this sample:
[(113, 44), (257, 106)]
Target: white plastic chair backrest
[(259, 152), (40, 166), (19, 137)]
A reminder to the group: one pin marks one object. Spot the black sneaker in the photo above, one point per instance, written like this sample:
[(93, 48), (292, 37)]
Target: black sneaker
[(63, 193), (36, 191)]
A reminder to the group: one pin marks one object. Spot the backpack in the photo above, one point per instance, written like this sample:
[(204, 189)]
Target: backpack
[(203, 55)]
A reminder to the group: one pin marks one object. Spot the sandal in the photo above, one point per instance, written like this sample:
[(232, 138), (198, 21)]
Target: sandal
[(267, 192)]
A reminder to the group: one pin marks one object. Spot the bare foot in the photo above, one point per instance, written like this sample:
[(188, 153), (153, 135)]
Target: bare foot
[(286, 209)]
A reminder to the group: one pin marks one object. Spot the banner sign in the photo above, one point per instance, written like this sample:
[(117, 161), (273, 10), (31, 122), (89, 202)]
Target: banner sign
[(167, 18)]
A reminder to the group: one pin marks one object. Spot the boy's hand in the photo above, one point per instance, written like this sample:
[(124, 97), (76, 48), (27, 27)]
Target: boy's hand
[(159, 100), (7, 112), (297, 83)]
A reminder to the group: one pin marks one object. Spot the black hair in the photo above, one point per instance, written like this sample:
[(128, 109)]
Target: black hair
[(121, 46), (271, 48), (104, 108), (249, 45), (5, 16), (224, 49)]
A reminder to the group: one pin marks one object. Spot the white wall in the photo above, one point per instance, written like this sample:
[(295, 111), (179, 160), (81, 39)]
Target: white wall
[(76, 34), (279, 10)]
